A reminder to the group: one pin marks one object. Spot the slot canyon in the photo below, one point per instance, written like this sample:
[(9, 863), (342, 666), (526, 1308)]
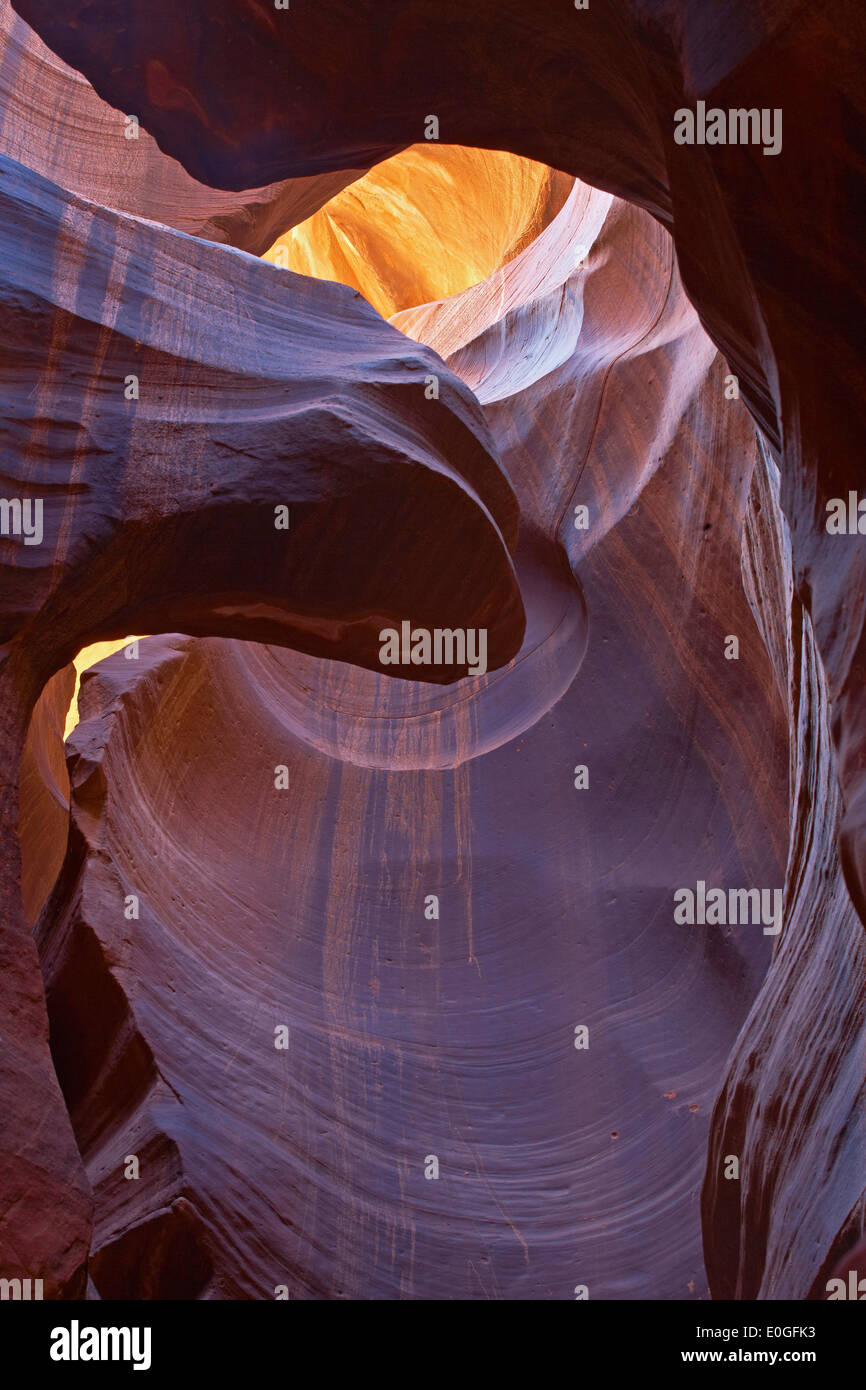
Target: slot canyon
[(356, 980)]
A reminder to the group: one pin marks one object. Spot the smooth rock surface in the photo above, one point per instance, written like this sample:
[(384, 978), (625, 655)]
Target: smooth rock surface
[(256, 390), (52, 120), (577, 374), (412, 1036)]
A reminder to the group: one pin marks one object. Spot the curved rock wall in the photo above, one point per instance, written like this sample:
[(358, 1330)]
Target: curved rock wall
[(52, 120), (595, 93), (462, 873), (792, 1108), (444, 1028)]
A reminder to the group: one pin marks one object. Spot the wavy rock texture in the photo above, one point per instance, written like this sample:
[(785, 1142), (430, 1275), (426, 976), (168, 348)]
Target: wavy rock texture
[(52, 120), (242, 93), (281, 391), (454, 1037), (572, 372), (792, 1108), (320, 389)]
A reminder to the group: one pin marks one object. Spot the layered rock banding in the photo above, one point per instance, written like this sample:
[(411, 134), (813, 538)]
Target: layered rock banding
[(52, 120), (575, 375), (326, 436), (236, 95), (384, 1001)]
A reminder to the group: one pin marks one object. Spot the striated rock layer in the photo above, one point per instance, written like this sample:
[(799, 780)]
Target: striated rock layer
[(256, 390), (52, 120), (243, 93), (792, 1108), (413, 1036)]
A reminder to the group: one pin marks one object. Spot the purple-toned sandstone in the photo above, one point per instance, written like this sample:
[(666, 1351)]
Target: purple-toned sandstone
[(428, 883)]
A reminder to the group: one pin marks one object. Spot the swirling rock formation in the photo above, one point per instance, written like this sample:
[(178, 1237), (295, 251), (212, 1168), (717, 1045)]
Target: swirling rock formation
[(305, 1168), (242, 93), (461, 874), (792, 1108), (322, 420)]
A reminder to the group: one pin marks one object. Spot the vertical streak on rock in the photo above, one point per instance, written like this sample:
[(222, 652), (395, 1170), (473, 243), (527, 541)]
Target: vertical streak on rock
[(792, 1107)]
